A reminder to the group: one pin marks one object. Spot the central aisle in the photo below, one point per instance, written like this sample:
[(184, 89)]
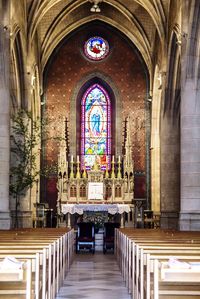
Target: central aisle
[(94, 277)]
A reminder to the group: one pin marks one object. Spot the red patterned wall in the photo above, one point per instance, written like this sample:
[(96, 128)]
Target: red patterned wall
[(69, 66)]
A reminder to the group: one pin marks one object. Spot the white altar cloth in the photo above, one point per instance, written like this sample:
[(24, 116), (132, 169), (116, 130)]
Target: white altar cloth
[(81, 208)]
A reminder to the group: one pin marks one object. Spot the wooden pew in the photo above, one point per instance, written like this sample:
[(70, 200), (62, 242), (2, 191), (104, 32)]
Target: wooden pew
[(62, 251), (130, 253), (55, 249), (19, 277), (175, 283)]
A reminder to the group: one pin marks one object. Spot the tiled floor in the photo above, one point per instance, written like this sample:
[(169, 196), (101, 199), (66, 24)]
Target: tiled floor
[(94, 277)]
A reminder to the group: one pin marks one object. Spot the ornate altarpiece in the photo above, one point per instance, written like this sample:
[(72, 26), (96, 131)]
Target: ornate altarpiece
[(118, 185)]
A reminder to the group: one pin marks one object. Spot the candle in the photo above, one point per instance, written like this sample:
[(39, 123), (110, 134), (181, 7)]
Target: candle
[(77, 159), (119, 159), (72, 158), (113, 159)]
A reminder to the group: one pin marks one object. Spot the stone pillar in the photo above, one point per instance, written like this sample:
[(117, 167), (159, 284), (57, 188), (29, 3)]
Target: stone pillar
[(190, 158), (4, 116), (190, 122), (170, 173), (169, 162)]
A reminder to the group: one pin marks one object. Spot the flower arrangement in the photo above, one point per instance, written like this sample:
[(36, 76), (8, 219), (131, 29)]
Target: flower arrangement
[(98, 218)]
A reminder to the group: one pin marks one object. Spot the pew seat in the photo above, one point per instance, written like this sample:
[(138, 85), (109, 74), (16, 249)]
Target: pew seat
[(17, 282), (48, 254), (137, 251)]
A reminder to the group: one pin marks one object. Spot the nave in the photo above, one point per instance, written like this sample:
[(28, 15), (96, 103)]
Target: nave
[(94, 277)]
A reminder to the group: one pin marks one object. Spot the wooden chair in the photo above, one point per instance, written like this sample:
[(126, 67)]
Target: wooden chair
[(109, 235), (85, 238), (39, 219), (148, 219)]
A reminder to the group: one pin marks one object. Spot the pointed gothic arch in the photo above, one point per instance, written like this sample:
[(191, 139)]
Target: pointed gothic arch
[(96, 137), (115, 112)]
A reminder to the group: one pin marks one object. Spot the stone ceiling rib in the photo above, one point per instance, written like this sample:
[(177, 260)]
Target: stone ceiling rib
[(140, 19), (46, 5), (155, 15), (64, 15), (42, 10), (49, 19), (51, 46)]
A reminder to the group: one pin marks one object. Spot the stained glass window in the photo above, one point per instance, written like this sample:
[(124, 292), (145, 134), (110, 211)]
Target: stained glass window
[(96, 48), (95, 128)]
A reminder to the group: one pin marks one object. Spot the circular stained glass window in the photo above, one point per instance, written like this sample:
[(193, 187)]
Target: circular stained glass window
[(96, 48)]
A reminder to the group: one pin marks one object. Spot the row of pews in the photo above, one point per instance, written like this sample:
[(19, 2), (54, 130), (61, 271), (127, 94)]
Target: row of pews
[(45, 255), (159, 264)]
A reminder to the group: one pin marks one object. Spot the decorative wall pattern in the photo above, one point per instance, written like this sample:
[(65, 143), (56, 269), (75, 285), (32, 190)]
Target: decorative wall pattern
[(69, 66)]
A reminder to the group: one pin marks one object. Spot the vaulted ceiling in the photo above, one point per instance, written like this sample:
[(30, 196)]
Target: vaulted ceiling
[(144, 22)]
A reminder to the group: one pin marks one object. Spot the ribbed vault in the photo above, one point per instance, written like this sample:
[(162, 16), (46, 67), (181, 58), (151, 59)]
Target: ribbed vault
[(140, 20)]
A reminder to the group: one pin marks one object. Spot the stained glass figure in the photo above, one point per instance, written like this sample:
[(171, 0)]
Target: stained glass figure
[(96, 48), (95, 128)]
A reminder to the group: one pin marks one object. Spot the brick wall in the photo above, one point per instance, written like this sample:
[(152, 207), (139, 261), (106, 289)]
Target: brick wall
[(69, 66)]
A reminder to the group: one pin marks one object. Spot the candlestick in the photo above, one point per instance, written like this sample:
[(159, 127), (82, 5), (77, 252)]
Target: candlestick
[(106, 172)]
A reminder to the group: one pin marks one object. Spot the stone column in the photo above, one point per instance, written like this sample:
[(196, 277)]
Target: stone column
[(169, 162), (190, 158), (4, 116), (170, 172), (190, 122)]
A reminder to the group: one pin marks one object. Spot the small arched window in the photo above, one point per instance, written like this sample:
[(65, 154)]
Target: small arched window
[(95, 128)]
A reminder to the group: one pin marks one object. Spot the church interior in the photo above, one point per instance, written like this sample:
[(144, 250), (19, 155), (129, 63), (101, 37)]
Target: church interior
[(148, 72), (99, 123)]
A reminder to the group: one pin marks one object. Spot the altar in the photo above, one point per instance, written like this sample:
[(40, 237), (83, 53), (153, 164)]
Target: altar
[(80, 209), (96, 189)]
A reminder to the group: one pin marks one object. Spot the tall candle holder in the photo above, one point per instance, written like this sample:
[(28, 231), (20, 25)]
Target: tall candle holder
[(119, 176), (72, 170), (106, 172), (84, 175), (78, 174), (113, 169)]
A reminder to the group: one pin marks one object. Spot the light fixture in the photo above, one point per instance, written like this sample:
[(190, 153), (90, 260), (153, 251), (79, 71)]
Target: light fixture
[(95, 7), (149, 99), (181, 37)]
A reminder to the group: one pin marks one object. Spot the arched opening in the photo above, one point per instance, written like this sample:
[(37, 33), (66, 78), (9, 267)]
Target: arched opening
[(123, 80), (17, 74), (95, 128), (155, 143)]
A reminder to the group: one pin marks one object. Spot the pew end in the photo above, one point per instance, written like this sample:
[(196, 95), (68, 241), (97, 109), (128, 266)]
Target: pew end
[(17, 283)]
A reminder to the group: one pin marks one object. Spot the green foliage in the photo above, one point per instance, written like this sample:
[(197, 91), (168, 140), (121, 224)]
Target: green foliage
[(25, 144), (24, 140)]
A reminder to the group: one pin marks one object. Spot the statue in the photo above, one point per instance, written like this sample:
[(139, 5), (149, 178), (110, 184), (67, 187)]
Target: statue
[(96, 165)]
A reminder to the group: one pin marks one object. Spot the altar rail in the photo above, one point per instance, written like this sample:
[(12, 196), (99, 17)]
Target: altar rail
[(47, 255), (143, 258)]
